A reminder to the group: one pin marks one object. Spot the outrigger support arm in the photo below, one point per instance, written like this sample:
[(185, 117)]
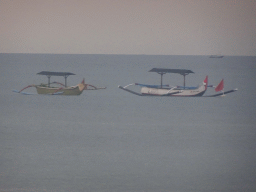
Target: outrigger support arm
[(26, 88), (94, 88), (55, 82)]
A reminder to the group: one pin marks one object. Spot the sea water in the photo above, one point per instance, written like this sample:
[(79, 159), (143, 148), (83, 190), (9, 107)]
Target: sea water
[(111, 140)]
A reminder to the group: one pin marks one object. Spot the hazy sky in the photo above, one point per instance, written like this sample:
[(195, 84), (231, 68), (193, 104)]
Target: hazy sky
[(159, 27)]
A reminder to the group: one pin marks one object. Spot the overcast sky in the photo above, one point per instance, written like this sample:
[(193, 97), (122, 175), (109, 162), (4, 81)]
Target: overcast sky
[(158, 27)]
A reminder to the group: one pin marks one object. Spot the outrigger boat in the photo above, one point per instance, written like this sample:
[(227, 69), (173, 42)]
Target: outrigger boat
[(177, 91), (61, 89)]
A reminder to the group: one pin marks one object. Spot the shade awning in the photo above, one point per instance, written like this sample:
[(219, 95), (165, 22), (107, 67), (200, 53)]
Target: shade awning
[(49, 73), (180, 71)]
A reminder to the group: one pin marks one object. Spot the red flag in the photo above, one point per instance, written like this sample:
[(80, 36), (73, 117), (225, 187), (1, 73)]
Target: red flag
[(220, 87), (206, 81)]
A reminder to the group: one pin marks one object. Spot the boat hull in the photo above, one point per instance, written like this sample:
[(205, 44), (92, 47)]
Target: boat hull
[(76, 90), (174, 92)]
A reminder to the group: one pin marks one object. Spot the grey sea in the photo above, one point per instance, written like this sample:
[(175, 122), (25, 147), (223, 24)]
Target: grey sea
[(111, 140)]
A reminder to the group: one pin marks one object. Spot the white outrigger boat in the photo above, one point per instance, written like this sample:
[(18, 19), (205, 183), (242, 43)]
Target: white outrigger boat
[(176, 91), (61, 89)]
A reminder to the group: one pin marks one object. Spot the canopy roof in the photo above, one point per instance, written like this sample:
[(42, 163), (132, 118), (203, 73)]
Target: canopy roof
[(180, 71), (49, 73)]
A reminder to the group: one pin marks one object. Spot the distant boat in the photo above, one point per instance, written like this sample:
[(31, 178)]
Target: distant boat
[(216, 56)]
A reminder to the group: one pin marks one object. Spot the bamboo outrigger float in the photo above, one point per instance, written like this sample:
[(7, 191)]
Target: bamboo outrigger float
[(176, 91), (61, 89)]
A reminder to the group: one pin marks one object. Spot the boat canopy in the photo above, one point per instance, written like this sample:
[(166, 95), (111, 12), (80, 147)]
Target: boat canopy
[(180, 71), (49, 74), (163, 71)]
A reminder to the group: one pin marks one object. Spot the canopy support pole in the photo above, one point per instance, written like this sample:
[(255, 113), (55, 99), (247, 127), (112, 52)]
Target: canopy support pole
[(161, 79), (184, 80), (66, 76), (49, 82), (65, 80), (184, 77)]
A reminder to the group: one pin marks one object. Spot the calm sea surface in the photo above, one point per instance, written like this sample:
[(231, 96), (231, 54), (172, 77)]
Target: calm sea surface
[(110, 140)]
